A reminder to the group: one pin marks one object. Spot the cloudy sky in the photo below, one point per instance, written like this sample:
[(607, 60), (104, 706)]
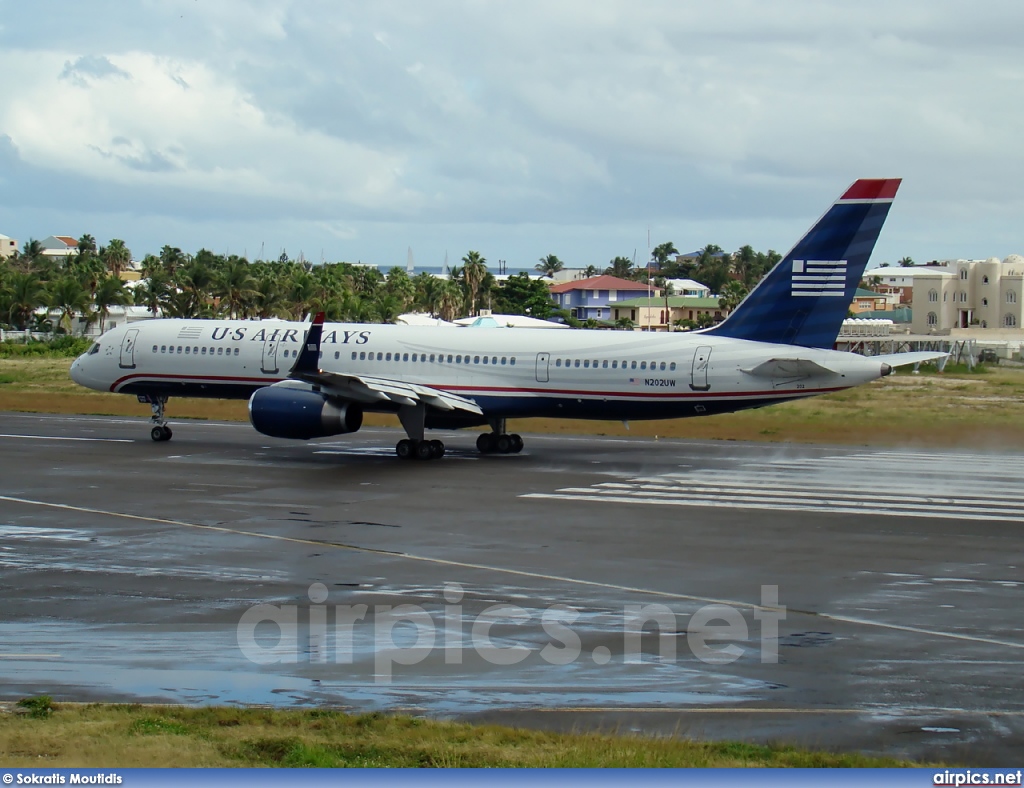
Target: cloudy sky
[(355, 130)]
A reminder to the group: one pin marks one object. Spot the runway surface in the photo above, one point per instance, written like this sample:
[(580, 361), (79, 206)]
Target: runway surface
[(581, 584)]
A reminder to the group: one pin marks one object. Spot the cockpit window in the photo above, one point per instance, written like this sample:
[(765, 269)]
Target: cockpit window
[(94, 349)]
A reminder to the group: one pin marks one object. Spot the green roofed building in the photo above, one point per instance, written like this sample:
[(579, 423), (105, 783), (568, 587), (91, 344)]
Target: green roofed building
[(650, 313)]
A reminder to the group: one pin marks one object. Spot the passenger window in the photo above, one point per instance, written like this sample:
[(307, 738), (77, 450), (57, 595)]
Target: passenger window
[(414, 356), (662, 366), (494, 359), (220, 351), (179, 348), (154, 348), (431, 357), (586, 363), (405, 357), (163, 348), (558, 362), (387, 357), (643, 365), (204, 351), (503, 360), (187, 349), (632, 365), (449, 358), (380, 356), (485, 359), (672, 366), (476, 359), (512, 361), (615, 365), (604, 364), (458, 359)]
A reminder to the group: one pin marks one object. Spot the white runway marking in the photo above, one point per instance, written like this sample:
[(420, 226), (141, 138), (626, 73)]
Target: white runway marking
[(64, 438), (907, 484), (514, 572)]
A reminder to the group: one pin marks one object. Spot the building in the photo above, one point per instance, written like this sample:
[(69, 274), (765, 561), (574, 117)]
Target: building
[(650, 313), (8, 246), (870, 301), (894, 280), (590, 299), (59, 246), (689, 287), (970, 294)]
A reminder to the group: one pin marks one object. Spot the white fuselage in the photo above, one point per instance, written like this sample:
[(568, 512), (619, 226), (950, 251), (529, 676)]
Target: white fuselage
[(509, 373)]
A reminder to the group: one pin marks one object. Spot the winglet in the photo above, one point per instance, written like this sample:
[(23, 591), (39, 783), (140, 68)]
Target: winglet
[(309, 357)]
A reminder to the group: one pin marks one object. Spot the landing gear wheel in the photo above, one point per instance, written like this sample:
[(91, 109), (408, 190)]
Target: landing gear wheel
[(485, 442), (436, 450), (517, 443), (157, 434), (167, 433), (405, 449), (424, 451), (504, 444)]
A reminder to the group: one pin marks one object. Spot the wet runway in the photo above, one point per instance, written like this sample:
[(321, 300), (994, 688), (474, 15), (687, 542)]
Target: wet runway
[(846, 598)]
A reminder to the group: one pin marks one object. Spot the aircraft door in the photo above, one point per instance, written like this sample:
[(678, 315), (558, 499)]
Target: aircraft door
[(542, 367), (128, 349), (270, 355), (699, 369)]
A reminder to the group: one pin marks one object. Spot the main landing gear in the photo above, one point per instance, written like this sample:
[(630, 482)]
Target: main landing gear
[(497, 441), (415, 447), (419, 450), (160, 431)]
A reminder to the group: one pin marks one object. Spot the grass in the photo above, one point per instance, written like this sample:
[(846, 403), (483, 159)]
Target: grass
[(96, 736), (956, 408)]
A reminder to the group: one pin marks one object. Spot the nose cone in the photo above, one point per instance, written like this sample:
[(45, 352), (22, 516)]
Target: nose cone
[(76, 371)]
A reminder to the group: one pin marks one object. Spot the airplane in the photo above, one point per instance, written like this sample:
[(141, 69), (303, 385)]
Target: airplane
[(314, 380)]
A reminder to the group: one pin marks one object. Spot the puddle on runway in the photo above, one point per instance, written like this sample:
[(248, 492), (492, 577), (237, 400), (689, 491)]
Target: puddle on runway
[(203, 665)]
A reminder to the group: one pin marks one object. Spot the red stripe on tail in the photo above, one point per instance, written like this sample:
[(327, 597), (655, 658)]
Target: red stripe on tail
[(873, 189)]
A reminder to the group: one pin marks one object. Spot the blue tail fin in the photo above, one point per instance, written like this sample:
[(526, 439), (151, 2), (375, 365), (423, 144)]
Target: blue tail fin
[(804, 299)]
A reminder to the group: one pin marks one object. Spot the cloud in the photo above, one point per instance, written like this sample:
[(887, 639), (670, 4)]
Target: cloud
[(89, 68), (348, 119)]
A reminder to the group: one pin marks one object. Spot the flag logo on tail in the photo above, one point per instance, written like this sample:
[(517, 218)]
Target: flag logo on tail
[(819, 278)]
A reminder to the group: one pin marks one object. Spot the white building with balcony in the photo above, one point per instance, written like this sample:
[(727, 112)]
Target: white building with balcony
[(970, 294)]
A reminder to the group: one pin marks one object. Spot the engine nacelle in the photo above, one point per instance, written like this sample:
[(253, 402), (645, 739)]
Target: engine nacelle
[(290, 412)]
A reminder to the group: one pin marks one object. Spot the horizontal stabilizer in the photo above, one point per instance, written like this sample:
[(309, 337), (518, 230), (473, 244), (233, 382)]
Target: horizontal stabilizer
[(917, 357), (788, 368)]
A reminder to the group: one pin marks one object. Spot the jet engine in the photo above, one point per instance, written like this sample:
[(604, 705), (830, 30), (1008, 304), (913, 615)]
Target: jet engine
[(283, 411)]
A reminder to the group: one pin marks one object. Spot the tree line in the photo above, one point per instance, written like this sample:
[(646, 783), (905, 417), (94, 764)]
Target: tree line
[(88, 283), (208, 285)]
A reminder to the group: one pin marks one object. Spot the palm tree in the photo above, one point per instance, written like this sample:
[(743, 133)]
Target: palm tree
[(732, 295), (235, 285), (549, 265), (661, 253), (449, 300), (86, 246), (621, 267), (69, 296), (154, 290), (24, 294), (117, 256), (110, 292), (474, 268), (906, 261), (745, 261), (267, 299)]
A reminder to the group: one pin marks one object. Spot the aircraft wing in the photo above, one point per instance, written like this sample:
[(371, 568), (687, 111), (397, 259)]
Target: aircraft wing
[(368, 389), (917, 357), (788, 367)]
